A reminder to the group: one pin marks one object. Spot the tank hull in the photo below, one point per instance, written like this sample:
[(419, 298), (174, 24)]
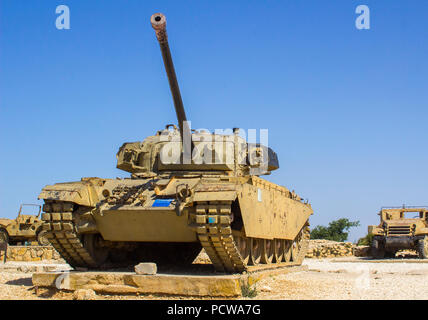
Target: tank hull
[(174, 210)]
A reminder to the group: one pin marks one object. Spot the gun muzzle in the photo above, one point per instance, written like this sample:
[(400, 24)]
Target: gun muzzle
[(158, 21)]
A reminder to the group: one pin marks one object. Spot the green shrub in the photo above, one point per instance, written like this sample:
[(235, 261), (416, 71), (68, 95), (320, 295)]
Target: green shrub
[(248, 290), (335, 231), (365, 241)]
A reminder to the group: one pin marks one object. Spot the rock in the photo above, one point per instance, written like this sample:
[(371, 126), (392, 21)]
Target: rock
[(23, 269), (202, 258), (47, 255), (32, 253), (40, 269), (266, 289), (362, 251), (146, 268), (331, 249), (27, 256), (340, 271), (84, 294)]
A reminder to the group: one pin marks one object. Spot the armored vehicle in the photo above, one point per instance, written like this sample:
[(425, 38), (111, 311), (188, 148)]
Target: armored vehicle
[(187, 190), (400, 228), (26, 227)]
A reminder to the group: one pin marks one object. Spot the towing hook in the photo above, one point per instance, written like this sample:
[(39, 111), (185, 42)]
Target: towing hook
[(182, 191)]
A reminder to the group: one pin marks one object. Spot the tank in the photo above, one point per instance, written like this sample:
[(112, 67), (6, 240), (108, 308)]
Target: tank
[(187, 190), (400, 228)]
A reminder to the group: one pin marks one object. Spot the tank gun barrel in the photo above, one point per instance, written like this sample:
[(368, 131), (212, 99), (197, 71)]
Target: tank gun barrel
[(158, 21)]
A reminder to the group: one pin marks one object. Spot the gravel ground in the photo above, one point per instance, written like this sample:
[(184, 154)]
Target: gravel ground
[(17, 286), (328, 279), (325, 279)]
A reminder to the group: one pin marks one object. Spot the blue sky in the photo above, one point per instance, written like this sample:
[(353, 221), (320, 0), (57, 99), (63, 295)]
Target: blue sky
[(346, 109)]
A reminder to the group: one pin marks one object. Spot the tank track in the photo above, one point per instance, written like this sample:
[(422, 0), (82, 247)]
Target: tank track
[(215, 234), (61, 233), (213, 227)]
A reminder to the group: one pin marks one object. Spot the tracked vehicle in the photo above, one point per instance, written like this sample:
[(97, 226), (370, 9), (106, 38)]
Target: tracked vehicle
[(187, 190), (400, 228)]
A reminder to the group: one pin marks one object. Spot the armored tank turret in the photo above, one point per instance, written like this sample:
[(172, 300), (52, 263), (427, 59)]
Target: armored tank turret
[(187, 190)]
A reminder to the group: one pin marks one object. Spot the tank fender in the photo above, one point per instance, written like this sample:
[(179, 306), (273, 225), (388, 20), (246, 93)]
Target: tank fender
[(84, 192), (215, 192), (5, 222), (269, 213)]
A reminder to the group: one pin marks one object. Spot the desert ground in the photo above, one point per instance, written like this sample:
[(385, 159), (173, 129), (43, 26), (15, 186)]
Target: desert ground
[(321, 279)]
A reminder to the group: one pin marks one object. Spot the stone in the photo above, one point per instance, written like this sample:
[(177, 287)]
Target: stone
[(215, 286), (23, 269), (266, 289), (84, 294), (27, 256), (330, 249), (146, 268), (32, 253), (163, 284), (361, 251), (47, 255)]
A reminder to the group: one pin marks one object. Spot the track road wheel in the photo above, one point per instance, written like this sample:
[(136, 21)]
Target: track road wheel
[(4, 236), (279, 245), (300, 246), (244, 247), (256, 251), (268, 251), (42, 239), (423, 248), (287, 250), (295, 248), (93, 244)]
